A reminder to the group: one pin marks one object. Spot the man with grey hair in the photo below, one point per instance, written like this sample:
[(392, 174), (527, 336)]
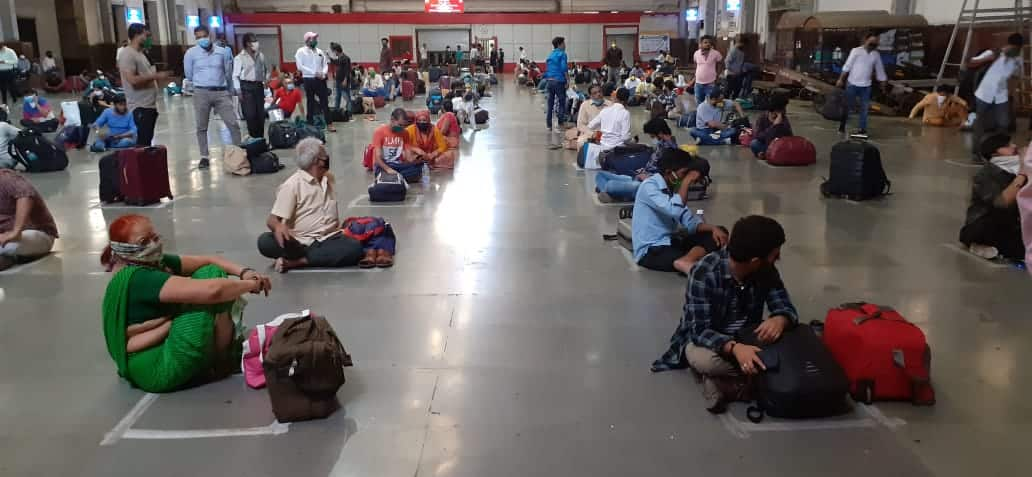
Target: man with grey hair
[(304, 225)]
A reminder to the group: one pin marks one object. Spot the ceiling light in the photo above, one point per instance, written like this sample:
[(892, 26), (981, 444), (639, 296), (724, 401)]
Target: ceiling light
[(649, 11)]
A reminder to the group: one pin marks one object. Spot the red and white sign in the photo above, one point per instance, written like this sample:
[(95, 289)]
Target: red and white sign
[(444, 6)]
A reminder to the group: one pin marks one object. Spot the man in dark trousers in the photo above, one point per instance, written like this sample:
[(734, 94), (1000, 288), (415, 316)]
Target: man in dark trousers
[(501, 61), (494, 58), (613, 59), (386, 57), (250, 70), (314, 66)]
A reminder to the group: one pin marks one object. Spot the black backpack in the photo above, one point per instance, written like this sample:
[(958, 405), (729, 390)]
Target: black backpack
[(834, 106), (36, 152), (255, 147), (856, 172), (265, 163), (802, 379), (283, 135), (110, 167)]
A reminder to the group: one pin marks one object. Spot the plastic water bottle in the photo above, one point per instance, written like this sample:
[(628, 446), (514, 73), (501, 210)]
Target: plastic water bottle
[(426, 175)]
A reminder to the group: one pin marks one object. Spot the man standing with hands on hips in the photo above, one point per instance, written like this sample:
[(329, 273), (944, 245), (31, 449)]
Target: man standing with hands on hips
[(209, 69), (313, 65), (863, 62), (139, 82)]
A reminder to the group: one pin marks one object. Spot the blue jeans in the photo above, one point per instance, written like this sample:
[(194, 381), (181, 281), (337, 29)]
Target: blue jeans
[(758, 147), (342, 93), (556, 102), (687, 120), (618, 186), (369, 93), (863, 93), (101, 145), (703, 134), (391, 85), (411, 171), (702, 91)]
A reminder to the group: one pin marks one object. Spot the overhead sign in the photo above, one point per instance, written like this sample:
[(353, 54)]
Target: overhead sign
[(133, 15), (651, 44), (444, 6)]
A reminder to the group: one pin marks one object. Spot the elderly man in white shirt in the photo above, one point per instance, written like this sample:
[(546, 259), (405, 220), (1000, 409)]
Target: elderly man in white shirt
[(314, 65), (615, 123), (863, 62), (992, 108)]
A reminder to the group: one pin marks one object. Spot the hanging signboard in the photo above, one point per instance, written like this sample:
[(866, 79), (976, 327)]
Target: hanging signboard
[(649, 43), (444, 6)]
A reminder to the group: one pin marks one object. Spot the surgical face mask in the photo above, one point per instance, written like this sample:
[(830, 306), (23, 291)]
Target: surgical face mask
[(598, 101), (290, 86), (424, 127), (149, 253), (1008, 163), (204, 43), (675, 184), (147, 43), (397, 129), (254, 46), (1012, 52), (312, 44)]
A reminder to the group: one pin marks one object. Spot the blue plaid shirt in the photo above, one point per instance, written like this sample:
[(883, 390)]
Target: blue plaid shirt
[(652, 166), (716, 306)]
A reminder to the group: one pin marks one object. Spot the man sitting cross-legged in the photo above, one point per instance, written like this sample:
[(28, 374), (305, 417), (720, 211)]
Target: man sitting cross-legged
[(709, 127)]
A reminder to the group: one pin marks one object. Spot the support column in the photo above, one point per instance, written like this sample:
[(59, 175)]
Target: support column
[(8, 21)]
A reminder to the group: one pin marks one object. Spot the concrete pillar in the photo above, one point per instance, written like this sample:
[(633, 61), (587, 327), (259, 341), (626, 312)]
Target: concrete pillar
[(709, 11), (8, 21)]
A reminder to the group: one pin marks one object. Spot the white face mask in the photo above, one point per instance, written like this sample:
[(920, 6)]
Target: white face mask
[(1008, 163)]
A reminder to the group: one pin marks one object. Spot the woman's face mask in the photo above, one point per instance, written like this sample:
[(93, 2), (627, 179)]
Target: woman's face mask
[(424, 127), (149, 253), (290, 86)]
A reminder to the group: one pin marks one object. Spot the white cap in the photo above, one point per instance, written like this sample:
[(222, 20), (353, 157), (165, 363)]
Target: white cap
[(310, 35)]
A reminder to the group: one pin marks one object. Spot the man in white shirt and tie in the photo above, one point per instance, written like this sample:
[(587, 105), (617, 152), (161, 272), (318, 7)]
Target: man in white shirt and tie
[(615, 123), (992, 106), (863, 62), (314, 65)]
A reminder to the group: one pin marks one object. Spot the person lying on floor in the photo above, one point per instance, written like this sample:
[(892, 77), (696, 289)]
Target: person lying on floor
[(392, 149), (709, 128), (428, 143), (589, 110), (941, 108), (726, 294), (304, 225), (770, 126), (666, 235), (169, 319), (612, 187), (27, 230), (36, 112), (993, 225), (121, 127)]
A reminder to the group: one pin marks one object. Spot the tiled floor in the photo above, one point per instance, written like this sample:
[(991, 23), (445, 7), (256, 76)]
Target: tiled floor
[(509, 339)]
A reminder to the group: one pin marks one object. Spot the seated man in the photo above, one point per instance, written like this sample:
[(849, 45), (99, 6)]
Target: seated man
[(428, 144), (7, 134), (36, 113), (993, 225), (27, 230), (615, 187), (743, 275), (770, 126), (463, 106), (685, 107), (304, 225), (589, 110), (392, 149), (632, 83), (288, 98), (709, 128), (615, 123), (121, 128), (659, 213), (941, 108), (373, 84)]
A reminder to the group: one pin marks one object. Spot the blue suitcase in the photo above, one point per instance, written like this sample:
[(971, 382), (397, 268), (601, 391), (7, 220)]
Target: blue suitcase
[(628, 160)]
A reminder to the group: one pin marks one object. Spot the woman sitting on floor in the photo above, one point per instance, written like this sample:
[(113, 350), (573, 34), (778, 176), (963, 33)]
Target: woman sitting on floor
[(167, 318), (428, 143), (449, 126)]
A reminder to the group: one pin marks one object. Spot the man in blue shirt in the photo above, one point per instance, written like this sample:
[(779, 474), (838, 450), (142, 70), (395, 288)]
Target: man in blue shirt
[(709, 127), (209, 69), (121, 127), (614, 187), (726, 293), (666, 235), (555, 78)]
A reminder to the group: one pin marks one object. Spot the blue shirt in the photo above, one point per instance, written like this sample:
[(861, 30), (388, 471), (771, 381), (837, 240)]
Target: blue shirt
[(657, 215), (209, 69), (555, 66), (116, 123), (707, 112)]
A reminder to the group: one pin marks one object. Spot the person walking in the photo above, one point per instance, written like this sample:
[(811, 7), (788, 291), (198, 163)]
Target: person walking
[(613, 60), (555, 76), (250, 72), (992, 105), (8, 73), (209, 69), (313, 65), (386, 57), (342, 76), (862, 63), (140, 83)]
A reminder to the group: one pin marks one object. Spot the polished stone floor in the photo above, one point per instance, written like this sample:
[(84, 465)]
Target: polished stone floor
[(509, 339)]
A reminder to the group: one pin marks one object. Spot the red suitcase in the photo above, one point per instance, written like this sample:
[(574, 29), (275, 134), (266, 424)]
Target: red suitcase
[(144, 175), (791, 151), (408, 90), (411, 75), (745, 138), (367, 157), (379, 102), (885, 356)]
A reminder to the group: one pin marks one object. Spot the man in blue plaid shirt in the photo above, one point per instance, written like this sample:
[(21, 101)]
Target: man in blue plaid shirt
[(726, 293)]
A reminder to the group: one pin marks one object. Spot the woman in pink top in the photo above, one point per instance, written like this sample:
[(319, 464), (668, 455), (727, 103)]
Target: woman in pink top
[(1025, 209), (706, 60)]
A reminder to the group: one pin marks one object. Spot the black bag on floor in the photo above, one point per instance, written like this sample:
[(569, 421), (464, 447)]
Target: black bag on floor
[(283, 135), (802, 379), (626, 160), (265, 163), (339, 115), (480, 116), (855, 172), (36, 153), (110, 167), (834, 107), (388, 188), (356, 104), (255, 147), (308, 130)]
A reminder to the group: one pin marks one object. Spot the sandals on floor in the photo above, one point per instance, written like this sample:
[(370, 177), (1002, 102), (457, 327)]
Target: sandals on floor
[(369, 260), (384, 259)]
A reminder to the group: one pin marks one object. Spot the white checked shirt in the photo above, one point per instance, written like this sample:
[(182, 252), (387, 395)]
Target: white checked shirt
[(861, 64), (311, 62), (615, 123), (993, 88)]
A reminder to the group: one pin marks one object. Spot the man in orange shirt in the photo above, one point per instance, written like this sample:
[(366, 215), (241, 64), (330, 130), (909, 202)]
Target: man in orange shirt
[(392, 149), (428, 144)]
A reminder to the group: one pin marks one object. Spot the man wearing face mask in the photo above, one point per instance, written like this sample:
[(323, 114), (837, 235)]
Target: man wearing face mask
[(590, 110), (288, 97), (314, 66), (992, 228), (863, 63), (666, 235), (140, 83), (392, 151), (209, 68), (614, 187), (613, 58), (992, 106), (386, 56), (726, 293), (250, 73)]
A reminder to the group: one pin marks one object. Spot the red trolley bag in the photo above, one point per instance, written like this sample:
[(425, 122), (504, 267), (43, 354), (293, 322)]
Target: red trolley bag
[(791, 151), (885, 356), (367, 157), (379, 102), (408, 90), (144, 175)]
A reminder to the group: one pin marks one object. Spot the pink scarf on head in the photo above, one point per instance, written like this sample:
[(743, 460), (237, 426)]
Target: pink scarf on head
[(1025, 208)]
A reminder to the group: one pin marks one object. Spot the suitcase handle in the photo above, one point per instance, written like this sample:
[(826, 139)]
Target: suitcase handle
[(917, 383)]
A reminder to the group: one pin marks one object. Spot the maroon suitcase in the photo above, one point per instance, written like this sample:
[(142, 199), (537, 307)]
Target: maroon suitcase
[(791, 151), (379, 102), (408, 90), (444, 82), (412, 75), (144, 175)]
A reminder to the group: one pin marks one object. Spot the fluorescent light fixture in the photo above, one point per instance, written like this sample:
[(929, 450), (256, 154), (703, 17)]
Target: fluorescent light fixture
[(193, 21), (214, 22), (691, 15), (591, 12), (133, 15), (649, 11), (734, 5), (614, 11)]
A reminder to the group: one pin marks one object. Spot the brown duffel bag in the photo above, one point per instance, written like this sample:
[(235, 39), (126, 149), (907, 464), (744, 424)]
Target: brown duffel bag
[(304, 368)]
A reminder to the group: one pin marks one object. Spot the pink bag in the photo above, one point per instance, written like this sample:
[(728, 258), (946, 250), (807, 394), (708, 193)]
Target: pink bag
[(1025, 209), (257, 345)]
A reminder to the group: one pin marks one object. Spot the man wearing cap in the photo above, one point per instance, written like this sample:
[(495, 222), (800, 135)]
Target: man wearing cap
[(313, 65), (209, 69)]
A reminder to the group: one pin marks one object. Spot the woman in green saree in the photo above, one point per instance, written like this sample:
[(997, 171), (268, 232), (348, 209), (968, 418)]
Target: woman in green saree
[(167, 318)]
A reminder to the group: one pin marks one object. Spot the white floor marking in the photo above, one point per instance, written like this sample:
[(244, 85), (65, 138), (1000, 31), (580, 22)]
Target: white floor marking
[(25, 266), (963, 251), (968, 165), (127, 422), (89, 171), (742, 429), (731, 424), (414, 200), (599, 203), (877, 415), (335, 270), (274, 429)]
